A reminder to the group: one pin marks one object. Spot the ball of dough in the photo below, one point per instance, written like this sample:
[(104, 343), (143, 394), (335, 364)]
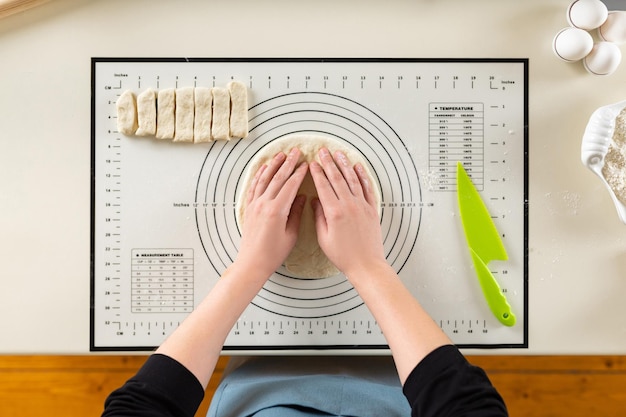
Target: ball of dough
[(306, 260)]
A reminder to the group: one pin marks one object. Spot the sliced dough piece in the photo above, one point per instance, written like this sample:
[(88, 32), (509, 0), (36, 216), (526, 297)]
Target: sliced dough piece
[(126, 106), (238, 109), (166, 107), (306, 260), (220, 130), (183, 132), (146, 113), (202, 121)]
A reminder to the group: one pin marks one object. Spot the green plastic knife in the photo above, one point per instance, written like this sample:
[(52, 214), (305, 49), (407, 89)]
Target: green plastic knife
[(484, 243)]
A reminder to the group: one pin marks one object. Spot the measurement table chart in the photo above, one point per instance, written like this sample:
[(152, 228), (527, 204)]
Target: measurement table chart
[(163, 214), (161, 281)]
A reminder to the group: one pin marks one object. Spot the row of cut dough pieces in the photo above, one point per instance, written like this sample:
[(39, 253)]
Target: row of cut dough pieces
[(187, 114)]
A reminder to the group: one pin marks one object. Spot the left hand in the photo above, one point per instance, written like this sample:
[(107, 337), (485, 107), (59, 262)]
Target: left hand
[(272, 216)]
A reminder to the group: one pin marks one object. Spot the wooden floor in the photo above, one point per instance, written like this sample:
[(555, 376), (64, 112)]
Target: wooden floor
[(543, 386)]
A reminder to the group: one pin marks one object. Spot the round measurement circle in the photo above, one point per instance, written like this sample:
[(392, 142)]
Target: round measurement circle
[(321, 114)]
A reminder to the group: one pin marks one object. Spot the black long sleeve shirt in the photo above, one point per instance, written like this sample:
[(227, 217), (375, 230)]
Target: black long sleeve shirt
[(444, 384)]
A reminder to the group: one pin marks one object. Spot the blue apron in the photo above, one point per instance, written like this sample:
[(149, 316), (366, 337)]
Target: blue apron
[(310, 386)]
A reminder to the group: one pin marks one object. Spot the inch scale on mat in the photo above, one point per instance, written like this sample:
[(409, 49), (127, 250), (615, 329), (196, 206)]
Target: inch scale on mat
[(163, 214), (329, 332)]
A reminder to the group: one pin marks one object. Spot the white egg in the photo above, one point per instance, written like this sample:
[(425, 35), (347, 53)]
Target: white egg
[(614, 29), (572, 44), (603, 59), (587, 14)]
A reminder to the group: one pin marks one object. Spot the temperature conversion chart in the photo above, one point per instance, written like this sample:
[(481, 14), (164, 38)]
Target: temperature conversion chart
[(164, 224)]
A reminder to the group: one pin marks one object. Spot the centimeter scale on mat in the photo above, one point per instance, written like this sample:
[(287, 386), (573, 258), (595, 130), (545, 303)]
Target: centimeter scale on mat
[(163, 213)]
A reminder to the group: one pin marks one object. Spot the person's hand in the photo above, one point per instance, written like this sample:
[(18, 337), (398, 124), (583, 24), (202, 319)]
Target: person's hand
[(346, 216), (272, 216)]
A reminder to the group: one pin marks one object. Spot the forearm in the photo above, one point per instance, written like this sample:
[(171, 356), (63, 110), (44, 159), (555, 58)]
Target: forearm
[(269, 233), (198, 341), (409, 330)]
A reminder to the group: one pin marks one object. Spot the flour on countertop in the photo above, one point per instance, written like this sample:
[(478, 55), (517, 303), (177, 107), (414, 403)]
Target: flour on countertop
[(614, 170)]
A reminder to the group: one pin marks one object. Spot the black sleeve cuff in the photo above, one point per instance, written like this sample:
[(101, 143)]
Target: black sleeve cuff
[(172, 378), (162, 387), (445, 383)]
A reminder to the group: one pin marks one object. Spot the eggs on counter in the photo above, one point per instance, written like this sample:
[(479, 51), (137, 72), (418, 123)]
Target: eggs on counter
[(603, 59), (187, 114), (575, 43), (572, 44), (587, 14), (614, 28)]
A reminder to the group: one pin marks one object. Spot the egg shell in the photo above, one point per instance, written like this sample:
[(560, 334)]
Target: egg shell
[(587, 14), (614, 29), (572, 44), (603, 59)]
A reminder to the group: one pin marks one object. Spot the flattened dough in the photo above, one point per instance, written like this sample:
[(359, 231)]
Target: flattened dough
[(183, 132), (202, 120), (306, 260), (220, 130), (126, 106), (146, 113), (166, 102), (238, 109)]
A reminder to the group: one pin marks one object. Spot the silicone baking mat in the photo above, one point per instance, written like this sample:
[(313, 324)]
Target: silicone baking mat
[(163, 213)]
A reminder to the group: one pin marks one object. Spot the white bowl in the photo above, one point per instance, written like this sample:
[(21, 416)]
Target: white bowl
[(595, 145)]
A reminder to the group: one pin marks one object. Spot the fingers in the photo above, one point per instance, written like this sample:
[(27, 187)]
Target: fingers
[(333, 174), (322, 185), (263, 176), (334, 178), (271, 178), (293, 222), (280, 168), (287, 194), (255, 181), (320, 219), (366, 184), (284, 173), (337, 174), (349, 174)]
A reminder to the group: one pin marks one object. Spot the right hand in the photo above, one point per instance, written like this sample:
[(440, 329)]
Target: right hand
[(349, 233), (346, 216)]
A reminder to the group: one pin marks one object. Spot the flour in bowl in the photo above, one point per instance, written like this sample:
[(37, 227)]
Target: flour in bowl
[(614, 170)]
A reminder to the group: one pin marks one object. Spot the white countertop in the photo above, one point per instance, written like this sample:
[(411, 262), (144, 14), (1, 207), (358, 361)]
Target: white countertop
[(577, 251)]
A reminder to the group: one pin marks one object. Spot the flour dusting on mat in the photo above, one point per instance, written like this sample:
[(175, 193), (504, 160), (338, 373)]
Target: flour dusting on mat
[(614, 169)]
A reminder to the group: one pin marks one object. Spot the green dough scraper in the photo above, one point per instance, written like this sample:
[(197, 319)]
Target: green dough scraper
[(484, 243)]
